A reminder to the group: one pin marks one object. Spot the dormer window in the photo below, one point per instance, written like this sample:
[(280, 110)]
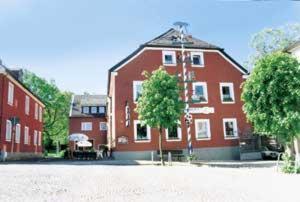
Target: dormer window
[(169, 58), (102, 110), (85, 110), (94, 110), (197, 59)]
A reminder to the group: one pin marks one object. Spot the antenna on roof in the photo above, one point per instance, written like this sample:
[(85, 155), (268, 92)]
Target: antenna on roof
[(181, 26)]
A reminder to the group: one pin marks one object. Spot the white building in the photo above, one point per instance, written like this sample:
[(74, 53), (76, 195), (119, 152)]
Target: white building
[(294, 49)]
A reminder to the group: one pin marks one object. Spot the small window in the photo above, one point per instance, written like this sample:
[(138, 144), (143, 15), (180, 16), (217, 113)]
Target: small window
[(41, 114), (173, 133), (141, 132), (10, 98), (103, 126), (137, 90), (94, 110), (27, 105), (200, 92), (8, 130), (86, 126), (102, 110), (169, 58), (197, 59), (202, 128), (40, 138), (36, 111), (18, 133), (230, 128), (26, 135), (227, 93), (35, 136), (85, 110)]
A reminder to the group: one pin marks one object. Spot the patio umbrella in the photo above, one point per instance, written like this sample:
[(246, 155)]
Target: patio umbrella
[(77, 137), (84, 144)]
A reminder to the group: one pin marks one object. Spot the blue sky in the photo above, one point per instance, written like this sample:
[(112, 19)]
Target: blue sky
[(75, 42)]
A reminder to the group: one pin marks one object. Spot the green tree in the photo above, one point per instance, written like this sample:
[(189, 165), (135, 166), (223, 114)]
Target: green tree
[(56, 111), (159, 105), (271, 97), (270, 40)]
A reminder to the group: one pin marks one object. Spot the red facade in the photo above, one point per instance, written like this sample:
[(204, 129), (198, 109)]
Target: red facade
[(15, 107)]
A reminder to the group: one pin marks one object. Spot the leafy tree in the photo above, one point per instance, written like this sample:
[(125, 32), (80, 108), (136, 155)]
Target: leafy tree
[(270, 40), (271, 96), (56, 111), (159, 105)]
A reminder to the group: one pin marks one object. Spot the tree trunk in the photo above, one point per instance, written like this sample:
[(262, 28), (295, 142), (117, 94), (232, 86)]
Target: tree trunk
[(297, 150), (290, 149), (57, 147), (160, 147)]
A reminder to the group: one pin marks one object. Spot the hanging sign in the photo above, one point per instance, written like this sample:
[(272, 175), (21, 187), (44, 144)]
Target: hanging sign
[(127, 114)]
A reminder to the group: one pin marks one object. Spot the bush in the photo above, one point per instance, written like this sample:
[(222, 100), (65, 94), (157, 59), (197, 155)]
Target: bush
[(289, 165)]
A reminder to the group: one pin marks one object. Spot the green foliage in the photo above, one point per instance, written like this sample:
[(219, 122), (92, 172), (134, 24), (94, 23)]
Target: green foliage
[(57, 107), (289, 165), (272, 39), (159, 105), (271, 96)]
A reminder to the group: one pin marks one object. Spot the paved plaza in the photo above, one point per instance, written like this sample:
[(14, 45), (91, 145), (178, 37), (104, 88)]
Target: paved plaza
[(88, 181)]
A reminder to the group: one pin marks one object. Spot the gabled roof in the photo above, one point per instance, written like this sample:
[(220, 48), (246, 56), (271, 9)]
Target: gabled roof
[(79, 101), (292, 46), (166, 40)]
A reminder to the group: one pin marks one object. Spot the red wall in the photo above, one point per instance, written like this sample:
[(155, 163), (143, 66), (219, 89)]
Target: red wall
[(216, 70), (96, 134), (18, 110)]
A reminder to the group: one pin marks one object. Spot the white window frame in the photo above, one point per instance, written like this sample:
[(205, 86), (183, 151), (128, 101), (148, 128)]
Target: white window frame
[(36, 111), (235, 129), (173, 54), (27, 105), (84, 126), (8, 131), (40, 138), (231, 90), (40, 114), (135, 83), (10, 94), (35, 136), (101, 126), (204, 84), (26, 135), (208, 129), (179, 132), (18, 133), (201, 56), (135, 122)]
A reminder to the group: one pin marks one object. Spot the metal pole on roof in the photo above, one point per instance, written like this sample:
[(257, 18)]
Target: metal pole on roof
[(188, 118)]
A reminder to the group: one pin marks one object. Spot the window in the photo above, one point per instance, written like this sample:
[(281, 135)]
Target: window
[(94, 110), (173, 134), (197, 59), (230, 128), (200, 92), (18, 133), (227, 93), (35, 136), (86, 126), (10, 98), (85, 110), (142, 133), (137, 90), (102, 110), (41, 114), (8, 130), (40, 138), (169, 58), (26, 135), (36, 111), (27, 104), (202, 129), (103, 126)]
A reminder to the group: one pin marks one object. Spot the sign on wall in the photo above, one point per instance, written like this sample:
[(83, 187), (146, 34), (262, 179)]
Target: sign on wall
[(202, 110), (122, 140)]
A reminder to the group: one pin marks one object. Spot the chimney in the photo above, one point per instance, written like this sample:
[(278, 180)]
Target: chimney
[(17, 74)]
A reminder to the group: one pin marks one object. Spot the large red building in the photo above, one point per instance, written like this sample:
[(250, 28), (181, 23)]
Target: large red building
[(88, 116), (21, 117), (218, 120)]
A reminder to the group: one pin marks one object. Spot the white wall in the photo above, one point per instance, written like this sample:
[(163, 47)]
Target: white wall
[(296, 52)]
